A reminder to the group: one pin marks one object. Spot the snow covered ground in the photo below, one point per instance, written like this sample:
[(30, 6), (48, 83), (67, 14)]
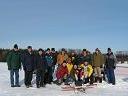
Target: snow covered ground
[(104, 89)]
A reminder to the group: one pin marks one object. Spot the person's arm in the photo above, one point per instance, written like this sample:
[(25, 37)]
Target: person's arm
[(20, 61), (23, 56), (115, 61), (9, 60)]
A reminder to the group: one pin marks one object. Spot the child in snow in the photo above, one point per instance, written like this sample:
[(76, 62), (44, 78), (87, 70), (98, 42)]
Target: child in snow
[(62, 72), (88, 70), (69, 78)]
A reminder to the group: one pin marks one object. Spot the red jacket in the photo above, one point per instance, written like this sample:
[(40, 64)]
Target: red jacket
[(61, 72)]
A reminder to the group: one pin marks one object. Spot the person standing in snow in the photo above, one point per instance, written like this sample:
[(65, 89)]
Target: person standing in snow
[(40, 68), (50, 65), (28, 61), (110, 65), (97, 64), (14, 64), (62, 56)]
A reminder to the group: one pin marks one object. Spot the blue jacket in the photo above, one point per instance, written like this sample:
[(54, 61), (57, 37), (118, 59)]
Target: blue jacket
[(49, 60)]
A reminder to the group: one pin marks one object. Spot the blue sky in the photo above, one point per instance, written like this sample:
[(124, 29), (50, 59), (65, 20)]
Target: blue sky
[(64, 23)]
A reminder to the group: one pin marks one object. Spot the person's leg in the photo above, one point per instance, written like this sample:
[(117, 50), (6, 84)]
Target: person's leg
[(12, 78), (49, 75), (30, 78), (17, 78), (38, 78), (86, 80), (26, 78), (91, 79), (108, 75), (96, 74), (42, 78), (112, 76), (99, 74)]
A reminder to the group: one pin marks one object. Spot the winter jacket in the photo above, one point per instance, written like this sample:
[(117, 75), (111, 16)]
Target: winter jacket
[(28, 61), (61, 72), (41, 63), (87, 58), (88, 70), (69, 66), (14, 60), (61, 58), (110, 61), (98, 60), (74, 59), (54, 56), (49, 60)]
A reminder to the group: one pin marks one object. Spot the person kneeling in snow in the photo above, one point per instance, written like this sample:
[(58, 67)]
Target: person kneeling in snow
[(69, 79), (79, 76), (88, 70), (62, 73)]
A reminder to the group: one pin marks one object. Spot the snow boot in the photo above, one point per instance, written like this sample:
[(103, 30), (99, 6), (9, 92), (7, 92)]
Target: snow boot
[(38, 86), (96, 79), (100, 79)]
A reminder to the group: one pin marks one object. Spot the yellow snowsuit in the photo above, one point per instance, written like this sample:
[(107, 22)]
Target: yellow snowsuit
[(69, 66), (88, 70)]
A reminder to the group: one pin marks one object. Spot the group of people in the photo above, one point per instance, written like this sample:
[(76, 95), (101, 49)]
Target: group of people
[(51, 66)]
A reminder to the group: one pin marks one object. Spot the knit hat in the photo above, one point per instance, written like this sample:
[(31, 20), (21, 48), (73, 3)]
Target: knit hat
[(97, 49), (109, 49), (84, 49), (62, 49), (48, 49), (16, 46), (53, 49), (41, 50), (29, 47)]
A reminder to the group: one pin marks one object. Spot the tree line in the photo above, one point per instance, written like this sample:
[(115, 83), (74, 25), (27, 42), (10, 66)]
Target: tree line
[(121, 56)]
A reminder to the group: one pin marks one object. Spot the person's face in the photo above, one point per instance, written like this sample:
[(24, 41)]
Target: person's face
[(75, 66), (63, 52), (15, 49), (73, 53), (97, 51), (40, 52), (84, 52), (53, 51), (109, 51), (48, 51), (85, 63), (69, 61), (64, 64), (30, 50)]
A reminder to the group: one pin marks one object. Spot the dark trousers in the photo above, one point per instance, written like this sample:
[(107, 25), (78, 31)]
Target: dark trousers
[(16, 72), (40, 77), (28, 77), (110, 75), (89, 80), (50, 72)]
